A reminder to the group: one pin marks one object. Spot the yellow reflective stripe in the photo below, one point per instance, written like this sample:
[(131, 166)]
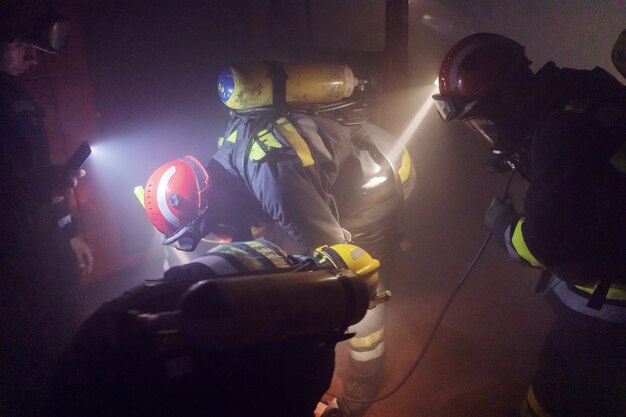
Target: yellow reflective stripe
[(232, 138), (140, 194), (405, 167), (249, 261), (534, 404), (520, 246), (269, 140), (296, 141), (616, 291), (367, 341), (368, 355), (256, 152), (220, 141), (277, 260)]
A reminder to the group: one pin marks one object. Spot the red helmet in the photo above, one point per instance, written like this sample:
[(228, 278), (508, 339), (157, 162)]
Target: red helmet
[(475, 67), (175, 197)]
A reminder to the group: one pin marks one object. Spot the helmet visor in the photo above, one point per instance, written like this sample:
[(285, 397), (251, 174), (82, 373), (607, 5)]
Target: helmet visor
[(454, 107)]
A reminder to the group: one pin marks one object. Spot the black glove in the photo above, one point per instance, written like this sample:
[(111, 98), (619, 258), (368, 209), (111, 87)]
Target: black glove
[(500, 215)]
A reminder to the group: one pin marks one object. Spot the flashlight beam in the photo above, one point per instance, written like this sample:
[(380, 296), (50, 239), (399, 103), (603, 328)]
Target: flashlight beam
[(418, 118)]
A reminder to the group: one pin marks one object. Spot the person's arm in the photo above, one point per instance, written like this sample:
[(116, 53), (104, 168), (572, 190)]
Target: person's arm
[(560, 225), (285, 179), (46, 184), (289, 197)]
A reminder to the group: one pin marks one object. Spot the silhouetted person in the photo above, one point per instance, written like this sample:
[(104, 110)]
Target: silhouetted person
[(564, 130), (243, 331), (40, 249)]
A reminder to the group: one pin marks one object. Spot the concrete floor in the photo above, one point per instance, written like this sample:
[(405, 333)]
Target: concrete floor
[(483, 355)]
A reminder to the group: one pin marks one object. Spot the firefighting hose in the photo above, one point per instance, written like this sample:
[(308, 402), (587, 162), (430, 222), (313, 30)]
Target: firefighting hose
[(440, 318)]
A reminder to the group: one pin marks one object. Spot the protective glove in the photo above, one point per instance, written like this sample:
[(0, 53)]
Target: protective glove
[(500, 215)]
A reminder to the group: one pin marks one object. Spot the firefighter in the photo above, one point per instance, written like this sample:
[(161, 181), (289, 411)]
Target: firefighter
[(565, 131), (299, 180), (42, 254), (258, 340)]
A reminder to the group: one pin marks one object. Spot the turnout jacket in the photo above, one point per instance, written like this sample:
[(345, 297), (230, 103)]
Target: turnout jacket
[(574, 221), (33, 228), (314, 175)]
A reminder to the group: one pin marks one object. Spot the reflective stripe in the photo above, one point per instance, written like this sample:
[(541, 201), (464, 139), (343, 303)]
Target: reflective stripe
[(162, 199), (220, 141), (405, 167), (249, 262), (252, 255), (368, 355), (278, 260), (140, 193), (256, 152), (263, 141), (367, 341), (64, 221), (232, 138), (608, 312), (269, 140), (296, 141), (534, 404), (510, 249), (520, 246), (616, 291)]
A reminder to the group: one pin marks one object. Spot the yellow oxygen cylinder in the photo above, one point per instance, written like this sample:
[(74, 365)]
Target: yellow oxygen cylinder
[(250, 85)]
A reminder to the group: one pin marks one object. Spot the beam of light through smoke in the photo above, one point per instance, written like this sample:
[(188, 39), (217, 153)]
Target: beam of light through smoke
[(414, 124)]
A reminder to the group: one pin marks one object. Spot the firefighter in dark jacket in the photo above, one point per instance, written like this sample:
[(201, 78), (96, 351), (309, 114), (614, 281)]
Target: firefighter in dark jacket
[(565, 131), (39, 274), (244, 330), (300, 180)]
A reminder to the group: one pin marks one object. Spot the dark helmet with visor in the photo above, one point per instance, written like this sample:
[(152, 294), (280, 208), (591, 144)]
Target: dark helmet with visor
[(473, 70), (481, 82)]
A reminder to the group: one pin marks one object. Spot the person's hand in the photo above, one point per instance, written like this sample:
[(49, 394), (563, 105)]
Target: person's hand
[(83, 254), (501, 210), (500, 215), (61, 183)]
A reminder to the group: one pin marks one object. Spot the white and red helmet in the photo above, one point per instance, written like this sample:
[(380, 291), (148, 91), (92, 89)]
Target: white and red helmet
[(175, 198)]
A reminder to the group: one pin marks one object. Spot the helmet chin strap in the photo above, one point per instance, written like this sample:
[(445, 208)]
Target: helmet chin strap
[(188, 237)]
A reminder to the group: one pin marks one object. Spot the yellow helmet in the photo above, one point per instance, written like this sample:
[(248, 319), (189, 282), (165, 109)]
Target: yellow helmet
[(354, 258)]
